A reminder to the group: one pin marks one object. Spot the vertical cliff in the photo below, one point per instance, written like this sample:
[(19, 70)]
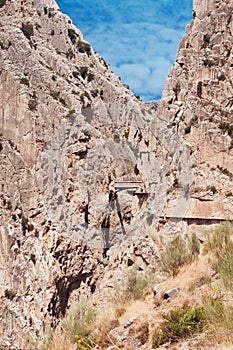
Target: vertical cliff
[(197, 99), (87, 170)]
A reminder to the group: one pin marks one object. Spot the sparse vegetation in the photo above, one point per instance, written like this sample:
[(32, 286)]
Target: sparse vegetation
[(179, 323), (55, 94), (116, 137), (27, 30), (83, 72), (177, 90), (32, 103), (221, 246), (72, 35), (226, 127), (96, 92), (9, 205), (76, 74), (24, 81), (2, 3), (70, 113), (143, 333), (214, 317), (26, 226), (212, 188), (222, 77), (58, 51), (90, 77), (179, 252), (133, 286), (84, 47), (80, 320), (70, 54), (225, 171), (206, 40), (187, 130), (85, 94), (9, 294), (192, 122), (62, 101)]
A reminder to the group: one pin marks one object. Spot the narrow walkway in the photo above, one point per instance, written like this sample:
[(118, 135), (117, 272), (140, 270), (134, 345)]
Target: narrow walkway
[(127, 185)]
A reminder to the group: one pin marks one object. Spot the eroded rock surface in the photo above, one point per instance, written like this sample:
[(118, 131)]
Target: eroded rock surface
[(87, 171)]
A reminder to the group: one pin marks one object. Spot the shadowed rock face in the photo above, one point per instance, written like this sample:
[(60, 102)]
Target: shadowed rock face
[(70, 132)]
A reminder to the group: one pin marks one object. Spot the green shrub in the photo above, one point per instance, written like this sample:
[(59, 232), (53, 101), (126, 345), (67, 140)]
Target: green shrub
[(70, 113), (80, 319), (179, 252), (179, 324), (177, 90), (72, 35), (9, 294), (194, 245), (187, 130), (212, 188), (83, 72), (9, 205), (62, 100), (226, 127), (2, 3), (85, 94), (27, 30), (221, 245), (133, 286), (55, 94), (143, 333), (26, 226), (84, 343), (206, 40), (24, 81), (95, 93), (76, 74), (70, 54), (116, 137), (32, 104), (222, 77), (90, 77), (84, 47), (218, 314)]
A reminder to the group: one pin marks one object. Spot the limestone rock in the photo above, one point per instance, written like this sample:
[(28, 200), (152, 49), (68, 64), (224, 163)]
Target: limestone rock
[(87, 172)]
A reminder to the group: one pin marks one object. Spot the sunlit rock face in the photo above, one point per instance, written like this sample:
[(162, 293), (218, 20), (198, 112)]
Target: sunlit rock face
[(87, 170), (198, 98)]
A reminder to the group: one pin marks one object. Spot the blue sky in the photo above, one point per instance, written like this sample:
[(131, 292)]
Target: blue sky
[(138, 38)]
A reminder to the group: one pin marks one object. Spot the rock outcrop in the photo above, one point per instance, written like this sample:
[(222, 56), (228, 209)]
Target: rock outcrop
[(197, 98), (87, 170)]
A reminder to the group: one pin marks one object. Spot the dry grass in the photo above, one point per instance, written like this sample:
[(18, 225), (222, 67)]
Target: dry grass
[(198, 283), (60, 341)]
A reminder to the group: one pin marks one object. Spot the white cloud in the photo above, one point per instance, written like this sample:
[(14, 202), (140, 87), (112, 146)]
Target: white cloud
[(138, 39)]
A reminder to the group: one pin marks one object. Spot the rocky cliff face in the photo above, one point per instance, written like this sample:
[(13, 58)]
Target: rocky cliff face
[(198, 100), (87, 170)]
